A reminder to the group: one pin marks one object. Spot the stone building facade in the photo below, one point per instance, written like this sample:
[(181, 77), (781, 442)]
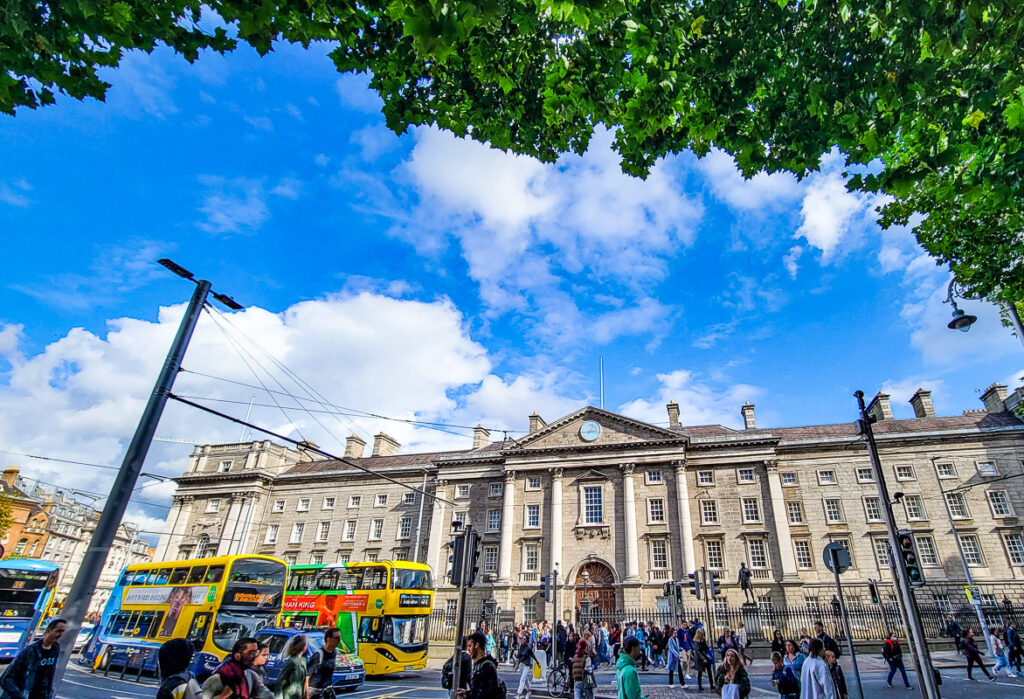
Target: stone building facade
[(635, 505)]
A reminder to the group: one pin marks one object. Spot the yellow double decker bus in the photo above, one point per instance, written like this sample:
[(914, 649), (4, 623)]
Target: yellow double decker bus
[(212, 602), (382, 608)]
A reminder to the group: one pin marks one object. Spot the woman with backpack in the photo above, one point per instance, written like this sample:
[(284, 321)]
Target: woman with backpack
[(583, 672), (293, 683), (783, 678)]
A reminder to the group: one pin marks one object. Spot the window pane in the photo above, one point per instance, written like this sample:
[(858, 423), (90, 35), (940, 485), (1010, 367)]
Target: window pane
[(758, 555), (714, 554), (593, 505), (1015, 549), (659, 554), (796, 512), (803, 554), (926, 549)]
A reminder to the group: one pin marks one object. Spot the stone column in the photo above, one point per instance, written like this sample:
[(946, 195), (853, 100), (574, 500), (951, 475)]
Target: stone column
[(629, 498), (174, 529), (556, 535), (230, 525), (685, 524), (437, 530), (781, 521), (508, 513)]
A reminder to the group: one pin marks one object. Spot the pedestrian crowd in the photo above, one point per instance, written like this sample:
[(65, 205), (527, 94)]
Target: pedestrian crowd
[(1005, 644)]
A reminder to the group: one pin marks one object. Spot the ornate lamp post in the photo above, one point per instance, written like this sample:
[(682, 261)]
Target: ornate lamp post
[(585, 602), (963, 321)]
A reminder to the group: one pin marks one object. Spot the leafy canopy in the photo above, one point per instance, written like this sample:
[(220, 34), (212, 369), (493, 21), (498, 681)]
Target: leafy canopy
[(933, 88)]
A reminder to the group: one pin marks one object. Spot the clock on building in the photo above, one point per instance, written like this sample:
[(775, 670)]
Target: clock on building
[(589, 431)]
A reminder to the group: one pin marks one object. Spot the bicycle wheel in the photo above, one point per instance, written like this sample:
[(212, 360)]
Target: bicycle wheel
[(558, 686)]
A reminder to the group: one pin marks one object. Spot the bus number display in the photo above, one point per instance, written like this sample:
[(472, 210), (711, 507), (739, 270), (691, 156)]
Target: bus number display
[(407, 600)]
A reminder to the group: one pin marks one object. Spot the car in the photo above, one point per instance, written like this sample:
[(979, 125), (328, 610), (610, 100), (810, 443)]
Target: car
[(84, 634), (349, 672)]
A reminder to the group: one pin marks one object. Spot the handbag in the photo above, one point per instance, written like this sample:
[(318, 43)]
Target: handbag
[(589, 681), (730, 691)]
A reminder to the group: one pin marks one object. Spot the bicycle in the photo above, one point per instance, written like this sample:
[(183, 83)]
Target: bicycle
[(558, 682)]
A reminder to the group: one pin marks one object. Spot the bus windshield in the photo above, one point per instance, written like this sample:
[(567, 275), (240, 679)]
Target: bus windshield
[(408, 579), (405, 631), (233, 625), (19, 592), (257, 571)]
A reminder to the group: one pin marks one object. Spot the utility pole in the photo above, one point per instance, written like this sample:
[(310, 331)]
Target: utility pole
[(834, 554), (460, 608), (77, 604), (915, 631)]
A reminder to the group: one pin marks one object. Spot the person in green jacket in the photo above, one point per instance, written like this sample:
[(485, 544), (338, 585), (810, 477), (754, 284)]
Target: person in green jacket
[(293, 684), (625, 669)]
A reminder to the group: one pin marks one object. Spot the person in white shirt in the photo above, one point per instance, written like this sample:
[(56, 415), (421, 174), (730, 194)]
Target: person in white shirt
[(815, 678)]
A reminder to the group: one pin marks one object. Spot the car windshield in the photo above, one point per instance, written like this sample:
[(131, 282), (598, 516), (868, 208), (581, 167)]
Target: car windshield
[(231, 626), (406, 579), (404, 631)]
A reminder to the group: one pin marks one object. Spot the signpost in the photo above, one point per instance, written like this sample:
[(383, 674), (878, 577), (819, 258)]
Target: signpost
[(837, 559)]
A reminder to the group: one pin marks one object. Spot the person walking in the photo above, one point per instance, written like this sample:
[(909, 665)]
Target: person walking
[(827, 641), (701, 658), (525, 660), (783, 678), (484, 682), (893, 654), (1000, 654), (640, 634), (685, 637), (726, 642), (731, 673), (321, 666), (657, 641), (673, 657), (815, 678), (582, 673), (778, 643), (1013, 645), (794, 659), (293, 682), (232, 679), (626, 677), (177, 681), (838, 678), (954, 631), (969, 647), (30, 674), (742, 642)]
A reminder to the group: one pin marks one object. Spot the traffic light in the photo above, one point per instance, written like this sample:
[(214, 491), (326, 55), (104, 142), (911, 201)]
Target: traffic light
[(455, 561), (679, 593), (873, 591), (713, 590), (473, 539), (695, 584), (545, 588), (908, 557)]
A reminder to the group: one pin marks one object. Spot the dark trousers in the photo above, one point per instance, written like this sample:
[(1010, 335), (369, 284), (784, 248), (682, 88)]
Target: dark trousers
[(709, 671), (894, 665), (681, 680), (975, 659), (1015, 657)]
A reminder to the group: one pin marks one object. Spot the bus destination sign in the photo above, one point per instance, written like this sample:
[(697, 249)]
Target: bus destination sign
[(408, 600)]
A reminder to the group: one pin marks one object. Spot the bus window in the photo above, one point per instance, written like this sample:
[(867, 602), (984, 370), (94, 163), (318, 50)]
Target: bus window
[(140, 577), (154, 629), (302, 580), (407, 579), (369, 629), (162, 575), (327, 580), (196, 576), (256, 571), (143, 624), (126, 577), (214, 574), (197, 630), (374, 578), (118, 623), (179, 576), (151, 578)]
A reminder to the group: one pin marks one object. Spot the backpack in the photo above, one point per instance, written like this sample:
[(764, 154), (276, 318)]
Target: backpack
[(788, 683), (502, 692)]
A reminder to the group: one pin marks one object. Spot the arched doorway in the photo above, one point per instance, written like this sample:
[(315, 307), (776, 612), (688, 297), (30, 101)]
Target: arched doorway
[(595, 580)]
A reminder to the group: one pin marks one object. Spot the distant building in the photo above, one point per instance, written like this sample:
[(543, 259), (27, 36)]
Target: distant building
[(627, 505)]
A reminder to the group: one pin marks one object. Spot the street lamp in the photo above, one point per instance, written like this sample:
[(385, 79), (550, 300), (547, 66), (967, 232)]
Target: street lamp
[(961, 321), (585, 603)]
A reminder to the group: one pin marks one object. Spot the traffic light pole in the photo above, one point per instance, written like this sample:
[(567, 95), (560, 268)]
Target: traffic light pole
[(460, 607), (915, 631), (846, 623)]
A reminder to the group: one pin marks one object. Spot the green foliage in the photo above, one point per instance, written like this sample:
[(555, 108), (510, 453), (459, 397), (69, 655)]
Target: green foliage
[(6, 514), (932, 88)]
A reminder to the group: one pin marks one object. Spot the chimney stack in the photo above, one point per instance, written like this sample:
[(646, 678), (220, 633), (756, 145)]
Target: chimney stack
[(993, 398), (748, 416), (673, 414), (384, 445), (922, 402), (536, 423), (481, 437), (354, 445), (880, 407), (11, 475)]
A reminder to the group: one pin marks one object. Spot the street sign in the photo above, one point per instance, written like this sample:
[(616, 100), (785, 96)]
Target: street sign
[(842, 557), (973, 593)]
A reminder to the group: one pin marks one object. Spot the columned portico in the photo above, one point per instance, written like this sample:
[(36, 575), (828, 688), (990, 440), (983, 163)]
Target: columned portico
[(228, 532), (629, 504), (685, 525), (781, 524), (174, 531), (556, 531)]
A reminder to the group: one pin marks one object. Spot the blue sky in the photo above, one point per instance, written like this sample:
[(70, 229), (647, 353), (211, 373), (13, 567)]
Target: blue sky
[(423, 276)]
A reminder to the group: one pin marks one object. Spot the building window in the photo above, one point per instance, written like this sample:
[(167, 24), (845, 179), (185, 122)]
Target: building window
[(972, 550), (533, 483), (881, 548), (705, 477), (278, 506), (344, 558), (303, 505), (225, 466), (324, 532), (462, 491), (926, 549), (653, 476), (271, 534), (202, 548), (788, 478), (834, 511), (297, 530), (400, 555), (905, 473), (532, 516), (957, 506), (404, 527), (372, 556), (494, 490), (213, 505), (381, 500), (354, 500), (827, 477), (942, 602), (708, 512), (987, 468), (328, 504), (530, 609), (713, 552), (659, 554), (795, 511), (316, 559), (493, 520), (376, 529), (999, 503), (745, 475), (915, 507), (593, 505), (758, 553), (490, 559), (945, 470), (460, 516), (802, 548), (751, 510), (873, 509), (865, 475), (1014, 548), (656, 511), (349, 533), (291, 559), (409, 499), (530, 556)]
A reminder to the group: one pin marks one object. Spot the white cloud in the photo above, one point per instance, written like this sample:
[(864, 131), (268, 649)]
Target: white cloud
[(700, 402), (233, 206), (288, 187), (902, 390), (15, 193), (761, 192), (791, 261), (355, 93), (828, 211), (260, 123), (141, 85), (374, 141), (321, 159)]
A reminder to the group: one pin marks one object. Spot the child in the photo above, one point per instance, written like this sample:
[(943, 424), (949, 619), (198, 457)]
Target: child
[(783, 678), (837, 675)]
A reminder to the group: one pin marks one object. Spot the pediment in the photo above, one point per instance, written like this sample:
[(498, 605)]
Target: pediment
[(591, 475), (615, 429)]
